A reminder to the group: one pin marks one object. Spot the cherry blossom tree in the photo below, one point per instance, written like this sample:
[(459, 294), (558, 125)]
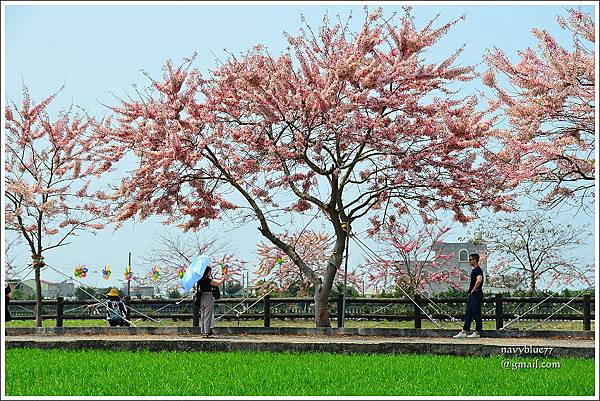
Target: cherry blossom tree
[(409, 257), (344, 125), (537, 248), (49, 167), (548, 99)]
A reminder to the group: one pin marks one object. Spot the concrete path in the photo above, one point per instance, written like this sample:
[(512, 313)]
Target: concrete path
[(533, 347), (295, 331)]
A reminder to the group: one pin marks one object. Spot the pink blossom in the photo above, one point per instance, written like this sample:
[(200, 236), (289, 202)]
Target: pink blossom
[(549, 101), (46, 160)]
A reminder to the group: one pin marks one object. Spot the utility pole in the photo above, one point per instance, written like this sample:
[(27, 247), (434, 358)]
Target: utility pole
[(129, 281), (385, 284)]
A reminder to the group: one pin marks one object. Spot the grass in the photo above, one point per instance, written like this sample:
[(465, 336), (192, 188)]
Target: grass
[(426, 324), (35, 372)]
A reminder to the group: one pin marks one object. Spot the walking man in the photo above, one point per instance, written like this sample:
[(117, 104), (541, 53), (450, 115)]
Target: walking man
[(474, 301)]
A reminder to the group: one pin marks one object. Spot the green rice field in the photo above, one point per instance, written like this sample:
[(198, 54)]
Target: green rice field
[(35, 372)]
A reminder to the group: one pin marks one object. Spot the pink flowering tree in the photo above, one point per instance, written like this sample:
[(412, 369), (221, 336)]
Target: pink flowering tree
[(548, 98), (49, 167), (345, 125), (409, 257)]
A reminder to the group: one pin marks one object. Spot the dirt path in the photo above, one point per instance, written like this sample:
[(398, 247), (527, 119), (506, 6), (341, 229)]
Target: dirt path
[(513, 342)]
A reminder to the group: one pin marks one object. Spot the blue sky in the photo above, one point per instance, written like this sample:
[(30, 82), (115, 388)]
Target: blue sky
[(96, 50)]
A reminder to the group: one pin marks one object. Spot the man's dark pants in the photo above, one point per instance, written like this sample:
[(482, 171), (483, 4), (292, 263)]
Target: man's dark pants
[(474, 311)]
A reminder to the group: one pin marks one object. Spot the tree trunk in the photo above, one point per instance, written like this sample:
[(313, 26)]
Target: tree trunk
[(323, 289), (532, 283), (321, 308), (37, 265)]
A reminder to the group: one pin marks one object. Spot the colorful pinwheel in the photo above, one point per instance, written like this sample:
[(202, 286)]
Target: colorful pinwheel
[(81, 271), (224, 269), (128, 274), (106, 272), (155, 273)]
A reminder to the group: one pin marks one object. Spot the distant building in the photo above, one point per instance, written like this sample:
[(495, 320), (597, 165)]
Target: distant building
[(49, 290), (16, 284), (239, 293), (458, 260), (139, 291)]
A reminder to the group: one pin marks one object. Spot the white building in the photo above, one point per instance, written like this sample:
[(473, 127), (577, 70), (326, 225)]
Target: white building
[(49, 290), (139, 291), (455, 268)]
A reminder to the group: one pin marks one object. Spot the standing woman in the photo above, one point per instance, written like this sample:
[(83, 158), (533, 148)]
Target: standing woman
[(207, 302), (7, 296)]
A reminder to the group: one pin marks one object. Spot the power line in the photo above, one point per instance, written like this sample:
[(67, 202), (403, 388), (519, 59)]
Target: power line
[(402, 289)]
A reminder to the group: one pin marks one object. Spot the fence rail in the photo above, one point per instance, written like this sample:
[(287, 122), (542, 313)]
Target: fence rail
[(498, 309)]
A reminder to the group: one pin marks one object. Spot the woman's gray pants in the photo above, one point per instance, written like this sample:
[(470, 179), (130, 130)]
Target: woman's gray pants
[(207, 312)]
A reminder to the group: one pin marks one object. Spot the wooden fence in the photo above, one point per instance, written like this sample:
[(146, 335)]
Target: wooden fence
[(498, 308)]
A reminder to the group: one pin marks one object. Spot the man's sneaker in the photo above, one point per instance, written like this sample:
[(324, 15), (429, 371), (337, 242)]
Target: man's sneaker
[(474, 335), (462, 334)]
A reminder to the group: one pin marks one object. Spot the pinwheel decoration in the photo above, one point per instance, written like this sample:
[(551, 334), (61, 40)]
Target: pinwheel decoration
[(106, 272), (81, 271), (224, 269), (128, 274), (155, 273)]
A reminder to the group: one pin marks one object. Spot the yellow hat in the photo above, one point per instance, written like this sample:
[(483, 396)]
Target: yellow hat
[(113, 292)]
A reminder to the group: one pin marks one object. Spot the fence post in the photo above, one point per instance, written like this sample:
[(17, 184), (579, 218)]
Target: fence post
[(417, 299), (340, 309), (127, 302), (587, 318), (196, 311), (267, 311), (60, 307), (499, 312)]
